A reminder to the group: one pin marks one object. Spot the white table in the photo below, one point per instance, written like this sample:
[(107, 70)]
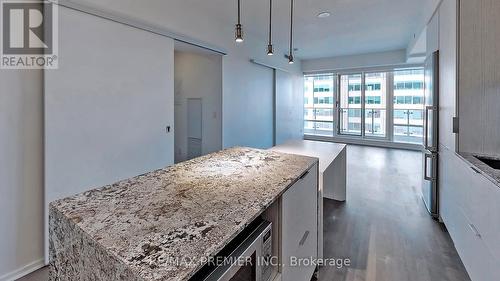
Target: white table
[(332, 172)]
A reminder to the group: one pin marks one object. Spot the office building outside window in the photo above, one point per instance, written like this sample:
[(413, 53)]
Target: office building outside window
[(368, 106), (319, 105), (409, 106)]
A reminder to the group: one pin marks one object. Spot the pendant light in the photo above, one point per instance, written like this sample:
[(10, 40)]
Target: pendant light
[(270, 50), (290, 54), (239, 31)]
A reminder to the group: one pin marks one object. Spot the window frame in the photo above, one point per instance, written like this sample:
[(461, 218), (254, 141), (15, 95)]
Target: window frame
[(391, 100)]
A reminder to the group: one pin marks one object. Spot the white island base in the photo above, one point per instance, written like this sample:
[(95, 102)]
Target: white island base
[(332, 172)]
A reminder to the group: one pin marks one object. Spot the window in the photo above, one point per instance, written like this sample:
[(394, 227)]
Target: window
[(354, 87), (375, 107), (409, 99), (374, 100), (324, 100), (354, 113), (409, 85), (354, 100), (408, 114), (373, 87), (319, 115), (350, 104), (399, 114), (363, 105)]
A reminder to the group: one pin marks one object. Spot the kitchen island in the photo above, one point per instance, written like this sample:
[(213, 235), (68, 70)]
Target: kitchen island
[(146, 227), (332, 172)]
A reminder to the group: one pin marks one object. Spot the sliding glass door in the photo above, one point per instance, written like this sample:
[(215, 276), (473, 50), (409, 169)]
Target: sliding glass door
[(382, 105), (350, 104), (363, 104), (375, 105)]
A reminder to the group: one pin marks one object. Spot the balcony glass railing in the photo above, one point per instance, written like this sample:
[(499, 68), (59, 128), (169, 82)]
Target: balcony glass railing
[(318, 127), (375, 122), (350, 121), (409, 125)]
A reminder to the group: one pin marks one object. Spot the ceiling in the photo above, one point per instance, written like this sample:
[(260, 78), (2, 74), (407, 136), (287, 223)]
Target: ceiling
[(354, 27)]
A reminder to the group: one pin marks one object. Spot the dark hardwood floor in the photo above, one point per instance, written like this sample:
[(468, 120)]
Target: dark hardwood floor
[(384, 228)]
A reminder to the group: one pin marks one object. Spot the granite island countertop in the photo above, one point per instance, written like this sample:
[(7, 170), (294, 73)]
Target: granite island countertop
[(159, 226), (491, 174)]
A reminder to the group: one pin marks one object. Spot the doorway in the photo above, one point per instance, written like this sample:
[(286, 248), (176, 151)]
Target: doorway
[(194, 127), (351, 104), (198, 102)]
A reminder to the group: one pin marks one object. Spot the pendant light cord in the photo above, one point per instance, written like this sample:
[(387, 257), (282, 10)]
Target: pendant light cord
[(291, 27), (270, 20), (239, 12)]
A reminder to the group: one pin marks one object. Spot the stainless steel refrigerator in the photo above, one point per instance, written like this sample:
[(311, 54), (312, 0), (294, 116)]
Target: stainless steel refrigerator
[(430, 188)]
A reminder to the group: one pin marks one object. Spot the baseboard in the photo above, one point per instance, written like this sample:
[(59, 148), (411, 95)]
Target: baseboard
[(365, 142), (23, 271)]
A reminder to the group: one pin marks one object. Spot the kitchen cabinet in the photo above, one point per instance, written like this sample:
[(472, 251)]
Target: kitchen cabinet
[(300, 226), (469, 208), (479, 77), (493, 231), (469, 201), (448, 32)]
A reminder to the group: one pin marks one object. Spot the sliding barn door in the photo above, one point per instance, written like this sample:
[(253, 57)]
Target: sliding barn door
[(289, 108), (109, 109)]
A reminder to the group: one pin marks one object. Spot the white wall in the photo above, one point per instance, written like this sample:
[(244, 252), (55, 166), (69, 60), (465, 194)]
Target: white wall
[(21, 173), (417, 46), (432, 41), (355, 61), (198, 76)]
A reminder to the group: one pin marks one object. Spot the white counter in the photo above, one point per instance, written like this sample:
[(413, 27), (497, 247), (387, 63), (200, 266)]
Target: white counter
[(332, 172), (332, 164)]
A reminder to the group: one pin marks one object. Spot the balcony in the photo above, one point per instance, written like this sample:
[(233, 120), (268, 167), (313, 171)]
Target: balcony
[(375, 122), (350, 121), (409, 126), (318, 127)]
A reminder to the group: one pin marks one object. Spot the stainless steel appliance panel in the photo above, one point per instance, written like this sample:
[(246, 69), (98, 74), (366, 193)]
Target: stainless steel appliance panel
[(431, 100), (257, 248), (430, 188)]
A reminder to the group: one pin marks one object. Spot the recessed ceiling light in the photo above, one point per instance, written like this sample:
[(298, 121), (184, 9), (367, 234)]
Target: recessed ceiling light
[(323, 15)]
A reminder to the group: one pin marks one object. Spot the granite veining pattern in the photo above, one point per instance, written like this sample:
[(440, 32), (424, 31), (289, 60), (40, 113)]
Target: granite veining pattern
[(159, 226), (492, 174)]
